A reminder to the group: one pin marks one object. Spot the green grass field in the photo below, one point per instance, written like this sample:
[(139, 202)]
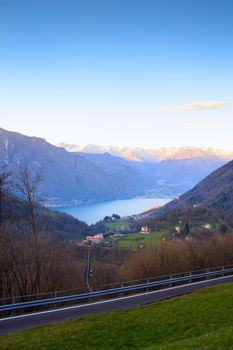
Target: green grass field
[(116, 224), (202, 320), (132, 240)]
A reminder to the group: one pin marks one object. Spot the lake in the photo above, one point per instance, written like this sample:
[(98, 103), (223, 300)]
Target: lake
[(92, 213)]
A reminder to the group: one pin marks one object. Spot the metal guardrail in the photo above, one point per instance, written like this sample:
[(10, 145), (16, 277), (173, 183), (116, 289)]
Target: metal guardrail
[(169, 280), (44, 295)]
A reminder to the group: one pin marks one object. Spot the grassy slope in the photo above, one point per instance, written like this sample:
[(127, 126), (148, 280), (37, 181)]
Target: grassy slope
[(116, 224), (132, 240), (202, 320)]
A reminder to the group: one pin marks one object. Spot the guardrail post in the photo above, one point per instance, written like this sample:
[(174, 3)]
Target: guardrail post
[(208, 270), (223, 272), (13, 302), (90, 299), (121, 293), (55, 296), (147, 289), (170, 285), (190, 275)]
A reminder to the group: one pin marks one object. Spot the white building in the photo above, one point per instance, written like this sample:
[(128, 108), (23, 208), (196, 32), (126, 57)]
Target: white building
[(145, 229), (95, 239)]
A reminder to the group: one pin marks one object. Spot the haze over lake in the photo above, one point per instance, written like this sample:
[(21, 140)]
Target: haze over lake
[(92, 213)]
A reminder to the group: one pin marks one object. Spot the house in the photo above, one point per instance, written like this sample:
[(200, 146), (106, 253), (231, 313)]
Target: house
[(207, 226), (118, 235), (145, 229), (99, 238)]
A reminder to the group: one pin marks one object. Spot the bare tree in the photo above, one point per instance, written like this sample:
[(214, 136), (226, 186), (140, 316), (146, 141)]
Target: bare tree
[(5, 181), (28, 185)]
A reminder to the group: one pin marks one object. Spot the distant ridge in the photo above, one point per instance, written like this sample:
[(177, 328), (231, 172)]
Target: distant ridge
[(152, 155)]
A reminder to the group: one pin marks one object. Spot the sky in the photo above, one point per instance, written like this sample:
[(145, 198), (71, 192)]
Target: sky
[(136, 73)]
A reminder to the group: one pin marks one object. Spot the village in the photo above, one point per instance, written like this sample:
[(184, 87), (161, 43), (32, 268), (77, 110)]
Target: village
[(120, 233)]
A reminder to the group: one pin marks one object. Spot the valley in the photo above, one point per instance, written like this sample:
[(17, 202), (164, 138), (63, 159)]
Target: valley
[(116, 175), (74, 178), (99, 243)]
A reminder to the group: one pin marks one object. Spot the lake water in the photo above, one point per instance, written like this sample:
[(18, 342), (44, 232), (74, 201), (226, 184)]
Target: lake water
[(92, 213)]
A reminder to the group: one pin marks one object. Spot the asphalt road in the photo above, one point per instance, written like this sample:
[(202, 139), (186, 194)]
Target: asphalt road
[(17, 323)]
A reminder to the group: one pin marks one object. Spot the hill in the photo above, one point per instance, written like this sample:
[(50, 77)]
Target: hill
[(127, 175), (53, 224), (214, 192), (168, 176), (202, 320)]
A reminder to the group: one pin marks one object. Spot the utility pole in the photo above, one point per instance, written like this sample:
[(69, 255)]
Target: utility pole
[(89, 271)]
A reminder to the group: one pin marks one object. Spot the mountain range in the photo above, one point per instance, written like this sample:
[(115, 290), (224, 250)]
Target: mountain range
[(71, 177), (172, 170), (153, 155), (84, 177)]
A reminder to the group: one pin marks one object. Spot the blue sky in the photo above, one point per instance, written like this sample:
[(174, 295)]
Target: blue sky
[(128, 73)]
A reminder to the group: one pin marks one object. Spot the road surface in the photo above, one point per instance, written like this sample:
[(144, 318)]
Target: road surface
[(20, 322)]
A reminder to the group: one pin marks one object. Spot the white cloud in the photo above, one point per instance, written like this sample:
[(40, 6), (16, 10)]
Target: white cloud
[(200, 106)]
